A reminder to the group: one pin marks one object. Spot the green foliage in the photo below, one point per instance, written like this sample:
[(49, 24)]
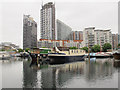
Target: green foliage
[(27, 49), (106, 46), (73, 48), (2, 50), (15, 50), (43, 66), (119, 45), (95, 48), (43, 47), (85, 48), (34, 47), (20, 50)]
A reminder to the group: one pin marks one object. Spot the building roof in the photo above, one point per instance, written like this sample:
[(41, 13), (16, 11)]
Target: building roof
[(61, 40), (90, 28)]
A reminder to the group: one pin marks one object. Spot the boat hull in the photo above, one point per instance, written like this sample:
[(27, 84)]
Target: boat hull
[(101, 56), (65, 59), (116, 56), (4, 58)]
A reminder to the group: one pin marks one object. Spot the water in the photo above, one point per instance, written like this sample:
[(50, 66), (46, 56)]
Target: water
[(102, 73)]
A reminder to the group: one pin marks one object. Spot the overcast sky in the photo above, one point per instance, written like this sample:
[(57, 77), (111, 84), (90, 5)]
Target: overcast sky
[(103, 14)]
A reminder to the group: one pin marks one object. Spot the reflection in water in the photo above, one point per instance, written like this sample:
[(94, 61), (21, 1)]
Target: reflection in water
[(29, 75), (117, 63), (48, 78), (12, 73), (69, 71), (59, 76), (99, 70), (99, 74)]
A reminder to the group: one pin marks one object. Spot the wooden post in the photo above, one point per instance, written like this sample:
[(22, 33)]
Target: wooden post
[(37, 60)]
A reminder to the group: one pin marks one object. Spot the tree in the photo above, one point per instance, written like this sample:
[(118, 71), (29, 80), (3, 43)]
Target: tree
[(15, 50), (85, 48), (96, 48), (106, 46), (119, 45), (73, 48), (27, 49), (2, 50), (20, 50), (43, 47)]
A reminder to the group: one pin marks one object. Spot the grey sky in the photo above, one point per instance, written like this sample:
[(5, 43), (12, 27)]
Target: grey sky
[(76, 14)]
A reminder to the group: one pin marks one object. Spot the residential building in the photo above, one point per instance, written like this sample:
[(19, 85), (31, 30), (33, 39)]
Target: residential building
[(76, 35), (48, 21), (118, 38), (59, 43), (94, 36), (29, 32), (119, 21), (63, 30), (102, 37), (7, 46), (89, 37), (115, 39)]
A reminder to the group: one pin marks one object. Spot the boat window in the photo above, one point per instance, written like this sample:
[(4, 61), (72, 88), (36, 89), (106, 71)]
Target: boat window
[(72, 51), (77, 51)]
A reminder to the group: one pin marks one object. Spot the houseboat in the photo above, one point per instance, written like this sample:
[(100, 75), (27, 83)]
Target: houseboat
[(101, 55), (65, 55), (116, 55)]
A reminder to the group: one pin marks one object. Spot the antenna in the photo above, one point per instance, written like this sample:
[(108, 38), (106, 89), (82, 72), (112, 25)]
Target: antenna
[(42, 3)]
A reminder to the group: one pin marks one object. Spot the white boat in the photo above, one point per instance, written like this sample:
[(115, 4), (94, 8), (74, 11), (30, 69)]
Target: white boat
[(16, 55), (101, 55), (4, 55)]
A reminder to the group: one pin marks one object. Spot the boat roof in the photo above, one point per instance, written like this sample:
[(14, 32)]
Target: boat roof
[(45, 48)]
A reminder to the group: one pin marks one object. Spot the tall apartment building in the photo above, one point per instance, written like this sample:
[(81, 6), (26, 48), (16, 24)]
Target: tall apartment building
[(96, 37), (63, 30), (118, 38), (29, 32), (89, 37), (103, 36), (119, 21), (115, 41), (76, 35), (48, 21)]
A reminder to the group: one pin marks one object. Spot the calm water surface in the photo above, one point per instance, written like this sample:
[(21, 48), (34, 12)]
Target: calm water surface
[(17, 73)]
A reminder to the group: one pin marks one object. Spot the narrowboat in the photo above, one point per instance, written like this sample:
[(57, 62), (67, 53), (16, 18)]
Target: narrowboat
[(65, 55)]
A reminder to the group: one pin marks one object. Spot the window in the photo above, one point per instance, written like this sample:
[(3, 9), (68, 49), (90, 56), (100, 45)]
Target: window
[(72, 51)]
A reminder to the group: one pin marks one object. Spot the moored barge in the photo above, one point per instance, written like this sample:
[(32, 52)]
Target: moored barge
[(116, 55), (66, 55)]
